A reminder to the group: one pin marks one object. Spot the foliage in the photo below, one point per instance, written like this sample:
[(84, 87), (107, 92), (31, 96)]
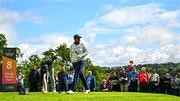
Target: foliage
[(3, 43)]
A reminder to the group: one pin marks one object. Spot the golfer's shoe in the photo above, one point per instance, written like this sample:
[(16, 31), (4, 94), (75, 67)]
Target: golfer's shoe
[(70, 92), (87, 91), (54, 91), (44, 92)]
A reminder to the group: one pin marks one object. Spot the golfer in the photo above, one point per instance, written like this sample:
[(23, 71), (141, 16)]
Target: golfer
[(78, 52)]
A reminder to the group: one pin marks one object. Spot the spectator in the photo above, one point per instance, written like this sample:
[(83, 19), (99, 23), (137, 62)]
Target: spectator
[(170, 76), (177, 84), (44, 78), (123, 78), (104, 86), (143, 80), (57, 83), (34, 79), (131, 66), (20, 81), (63, 78), (113, 82), (165, 84), (70, 79), (133, 77), (91, 81), (149, 72), (154, 81)]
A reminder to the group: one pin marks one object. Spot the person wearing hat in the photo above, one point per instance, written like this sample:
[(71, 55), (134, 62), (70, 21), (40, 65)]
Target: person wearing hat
[(78, 52)]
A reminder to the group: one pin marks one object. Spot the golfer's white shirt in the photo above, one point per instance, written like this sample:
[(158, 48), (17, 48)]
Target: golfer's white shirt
[(78, 52)]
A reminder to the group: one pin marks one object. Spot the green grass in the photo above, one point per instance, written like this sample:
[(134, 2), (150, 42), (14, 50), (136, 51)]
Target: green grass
[(95, 96)]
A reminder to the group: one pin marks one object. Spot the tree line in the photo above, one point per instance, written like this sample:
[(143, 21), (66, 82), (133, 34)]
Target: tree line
[(62, 51)]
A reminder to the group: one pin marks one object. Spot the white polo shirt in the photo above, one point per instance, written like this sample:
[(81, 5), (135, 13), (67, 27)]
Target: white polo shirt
[(154, 77)]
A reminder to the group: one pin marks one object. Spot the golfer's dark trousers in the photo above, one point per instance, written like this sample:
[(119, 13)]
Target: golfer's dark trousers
[(78, 66)]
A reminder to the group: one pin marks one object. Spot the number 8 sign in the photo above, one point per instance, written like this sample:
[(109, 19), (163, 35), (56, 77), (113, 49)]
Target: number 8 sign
[(8, 70), (9, 65)]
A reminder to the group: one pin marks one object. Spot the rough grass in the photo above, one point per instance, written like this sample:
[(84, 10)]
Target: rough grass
[(95, 96)]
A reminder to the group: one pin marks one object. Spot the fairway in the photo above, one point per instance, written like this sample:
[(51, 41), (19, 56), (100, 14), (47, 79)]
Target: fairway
[(96, 96)]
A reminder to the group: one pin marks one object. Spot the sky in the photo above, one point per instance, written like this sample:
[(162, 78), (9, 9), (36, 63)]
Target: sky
[(114, 31)]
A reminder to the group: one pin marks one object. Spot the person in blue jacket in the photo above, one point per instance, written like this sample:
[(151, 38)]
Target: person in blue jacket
[(133, 77), (91, 81), (70, 79)]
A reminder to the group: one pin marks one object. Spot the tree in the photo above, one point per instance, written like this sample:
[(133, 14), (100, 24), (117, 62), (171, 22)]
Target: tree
[(25, 67), (34, 59), (88, 63), (48, 54), (19, 54), (3, 43), (64, 53)]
